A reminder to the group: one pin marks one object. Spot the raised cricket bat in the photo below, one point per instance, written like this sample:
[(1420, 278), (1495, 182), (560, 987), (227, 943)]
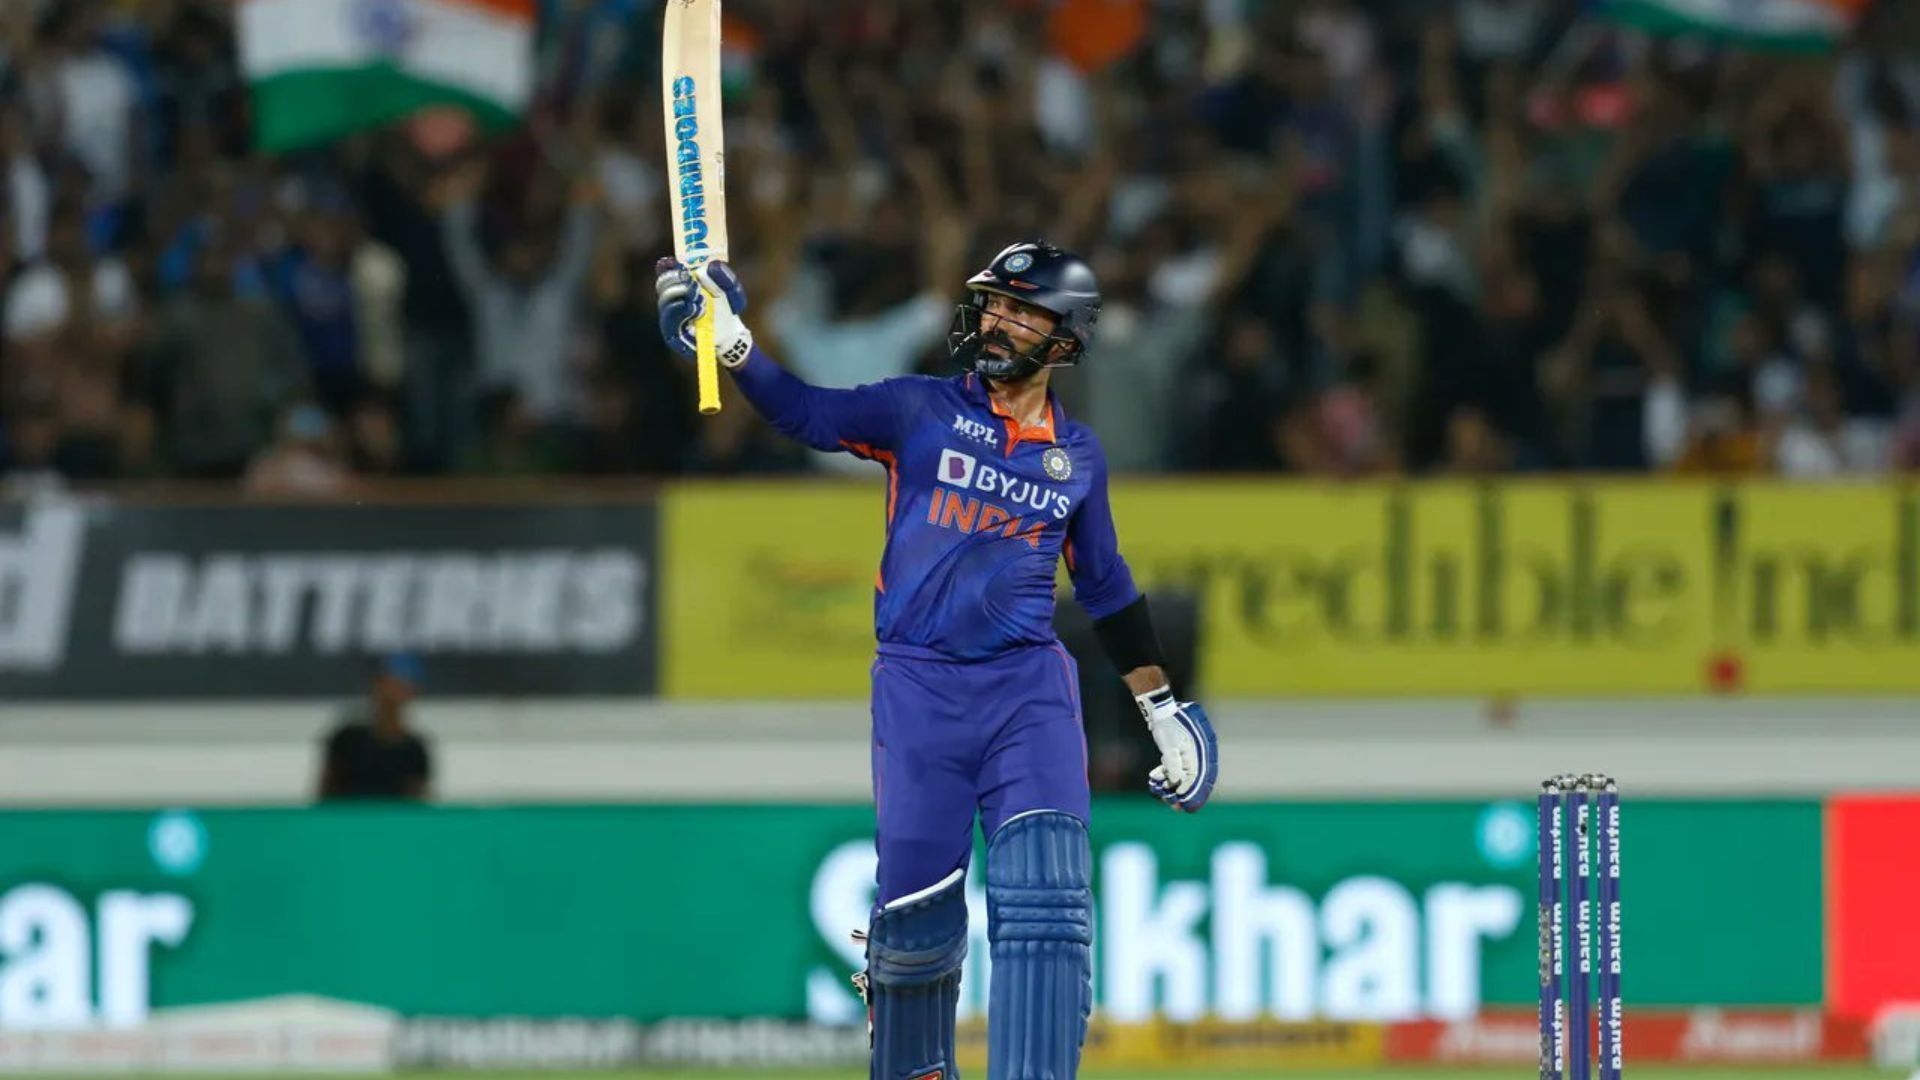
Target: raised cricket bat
[(696, 159)]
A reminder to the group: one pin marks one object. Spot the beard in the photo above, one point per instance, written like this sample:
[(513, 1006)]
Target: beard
[(997, 343)]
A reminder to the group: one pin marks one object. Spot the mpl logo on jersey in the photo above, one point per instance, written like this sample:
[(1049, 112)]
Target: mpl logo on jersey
[(977, 431)]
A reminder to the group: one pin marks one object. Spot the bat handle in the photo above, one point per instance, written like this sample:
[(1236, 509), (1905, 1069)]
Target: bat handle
[(706, 365)]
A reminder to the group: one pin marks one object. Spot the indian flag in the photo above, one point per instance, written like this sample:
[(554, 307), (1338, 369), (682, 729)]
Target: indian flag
[(321, 69), (1794, 25)]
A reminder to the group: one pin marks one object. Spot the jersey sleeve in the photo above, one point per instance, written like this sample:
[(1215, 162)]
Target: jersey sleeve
[(1102, 582), (860, 420)]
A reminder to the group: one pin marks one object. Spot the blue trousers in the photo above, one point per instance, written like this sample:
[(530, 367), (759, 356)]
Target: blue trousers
[(951, 740)]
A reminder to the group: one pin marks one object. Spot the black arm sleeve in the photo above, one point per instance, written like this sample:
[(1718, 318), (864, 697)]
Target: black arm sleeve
[(1128, 638)]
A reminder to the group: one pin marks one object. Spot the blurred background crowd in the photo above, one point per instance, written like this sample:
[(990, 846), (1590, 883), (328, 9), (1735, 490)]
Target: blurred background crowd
[(1335, 237)]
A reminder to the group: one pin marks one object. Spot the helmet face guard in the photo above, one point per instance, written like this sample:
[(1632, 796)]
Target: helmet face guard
[(1037, 275), (969, 346)]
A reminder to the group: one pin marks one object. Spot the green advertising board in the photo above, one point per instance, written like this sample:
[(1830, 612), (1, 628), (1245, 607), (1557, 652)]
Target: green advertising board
[(1294, 909)]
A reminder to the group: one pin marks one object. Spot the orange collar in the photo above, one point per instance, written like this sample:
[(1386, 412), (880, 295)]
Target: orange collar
[(1017, 432)]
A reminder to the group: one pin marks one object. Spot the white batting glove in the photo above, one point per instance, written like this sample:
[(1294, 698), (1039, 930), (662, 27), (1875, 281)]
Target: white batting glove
[(683, 295), (1189, 753)]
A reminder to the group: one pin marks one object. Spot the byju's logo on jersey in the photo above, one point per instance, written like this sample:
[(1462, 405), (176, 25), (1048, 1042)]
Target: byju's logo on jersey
[(956, 468), (963, 471), (977, 431)]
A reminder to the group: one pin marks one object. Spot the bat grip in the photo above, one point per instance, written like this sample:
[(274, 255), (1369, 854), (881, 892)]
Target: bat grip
[(706, 365)]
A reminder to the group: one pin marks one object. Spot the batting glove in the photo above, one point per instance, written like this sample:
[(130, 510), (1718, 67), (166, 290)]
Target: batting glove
[(683, 296), (1189, 756)]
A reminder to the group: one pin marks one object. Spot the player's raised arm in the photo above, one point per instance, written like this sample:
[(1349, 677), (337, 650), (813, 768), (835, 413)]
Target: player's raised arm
[(859, 420), (1103, 585)]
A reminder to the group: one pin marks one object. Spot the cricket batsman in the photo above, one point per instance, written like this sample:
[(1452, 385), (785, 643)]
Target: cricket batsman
[(975, 706)]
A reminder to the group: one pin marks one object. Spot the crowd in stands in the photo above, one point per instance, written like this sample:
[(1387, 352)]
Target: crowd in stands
[(1336, 238)]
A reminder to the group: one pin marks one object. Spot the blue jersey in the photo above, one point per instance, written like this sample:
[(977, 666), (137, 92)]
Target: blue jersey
[(980, 510)]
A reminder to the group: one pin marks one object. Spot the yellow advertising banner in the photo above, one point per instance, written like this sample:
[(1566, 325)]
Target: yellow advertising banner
[(1165, 1045), (1816, 588), (767, 589), (1548, 587), (1428, 589)]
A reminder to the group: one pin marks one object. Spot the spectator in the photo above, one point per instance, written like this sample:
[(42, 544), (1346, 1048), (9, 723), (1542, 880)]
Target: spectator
[(199, 85), (1164, 297), (305, 461), (375, 448), (1602, 374), (841, 320), (29, 198), (1355, 423), (1874, 346), (1885, 153), (1823, 442), (1553, 237), (1798, 161), (1759, 358), (627, 168), (100, 435), (375, 753), (17, 40), (640, 420), (85, 94), (226, 365), (513, 442), (33, 443), (1670, 176), (378, 277), (1724, 437), (1505, 380), (396, 185), (1493, 30), (1806, 329), (1439, 275), (69, 283), (1241, 402), (587, 43), (524, 301), (1566, 243), (1474, 447), (1122, 390), (201, 195), (315, 282)]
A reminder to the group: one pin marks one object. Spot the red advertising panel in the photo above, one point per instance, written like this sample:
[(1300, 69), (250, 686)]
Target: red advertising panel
[(1873, 876), (1694, 1036)]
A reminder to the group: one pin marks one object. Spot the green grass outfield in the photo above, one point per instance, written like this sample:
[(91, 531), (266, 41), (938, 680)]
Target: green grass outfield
[(1634, 1071), (1652, 1072), (1845, 1072)]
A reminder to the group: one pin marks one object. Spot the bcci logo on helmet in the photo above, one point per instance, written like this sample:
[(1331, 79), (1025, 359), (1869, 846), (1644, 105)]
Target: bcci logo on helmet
[(1017, 262)]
